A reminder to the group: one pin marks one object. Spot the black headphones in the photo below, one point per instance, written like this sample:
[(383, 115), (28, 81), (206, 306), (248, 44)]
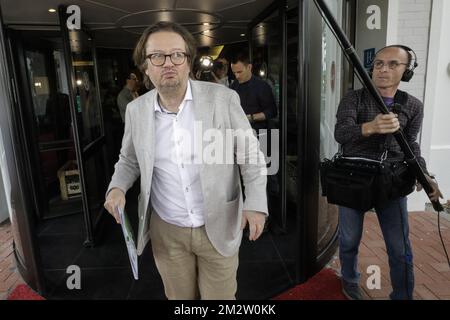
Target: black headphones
[(412, 62)]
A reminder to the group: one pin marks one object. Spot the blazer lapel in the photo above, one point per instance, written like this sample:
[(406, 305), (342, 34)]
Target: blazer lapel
[(203, 106), (148, 121), (203, 112)]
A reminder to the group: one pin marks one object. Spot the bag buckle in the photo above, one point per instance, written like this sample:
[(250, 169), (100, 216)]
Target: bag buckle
[(337, 155), (384, 156)]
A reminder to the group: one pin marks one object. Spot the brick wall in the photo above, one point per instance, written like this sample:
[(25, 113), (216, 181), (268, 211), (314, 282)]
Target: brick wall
[(413, 31)]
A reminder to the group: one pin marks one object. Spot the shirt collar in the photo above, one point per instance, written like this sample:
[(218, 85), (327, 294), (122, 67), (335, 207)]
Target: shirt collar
[(187, 97)]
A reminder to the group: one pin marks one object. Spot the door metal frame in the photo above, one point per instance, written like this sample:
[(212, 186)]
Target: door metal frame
[(22, 197), (279, 6), (62, 13), (303, 221), (94, 147), (26, 112)]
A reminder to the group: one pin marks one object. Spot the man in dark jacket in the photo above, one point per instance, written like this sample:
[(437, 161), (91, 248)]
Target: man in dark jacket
[(256, 96)]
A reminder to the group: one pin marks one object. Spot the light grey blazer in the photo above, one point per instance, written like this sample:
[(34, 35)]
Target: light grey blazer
[(216, 107)]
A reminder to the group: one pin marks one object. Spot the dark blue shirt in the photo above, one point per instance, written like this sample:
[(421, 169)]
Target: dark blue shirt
[(256, 96)]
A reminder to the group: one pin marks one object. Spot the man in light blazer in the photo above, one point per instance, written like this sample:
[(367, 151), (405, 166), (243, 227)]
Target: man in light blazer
[(197, 212)]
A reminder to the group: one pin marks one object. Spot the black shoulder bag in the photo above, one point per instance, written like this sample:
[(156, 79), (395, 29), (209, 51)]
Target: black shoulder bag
[(362, 183), (351, 182)]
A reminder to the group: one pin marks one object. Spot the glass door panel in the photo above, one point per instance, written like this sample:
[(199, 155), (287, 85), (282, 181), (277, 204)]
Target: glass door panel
[(90, 124), (331, 93), (89, 130), (51, 125), (266, 57)]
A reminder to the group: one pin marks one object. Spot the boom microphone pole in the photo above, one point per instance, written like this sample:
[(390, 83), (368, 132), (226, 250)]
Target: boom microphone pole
[(367, 82)]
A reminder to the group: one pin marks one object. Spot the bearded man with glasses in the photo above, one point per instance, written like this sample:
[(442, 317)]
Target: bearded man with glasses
[(197, 212)]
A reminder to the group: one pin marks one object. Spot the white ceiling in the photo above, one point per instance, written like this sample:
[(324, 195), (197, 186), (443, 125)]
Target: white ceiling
[(118, 23)]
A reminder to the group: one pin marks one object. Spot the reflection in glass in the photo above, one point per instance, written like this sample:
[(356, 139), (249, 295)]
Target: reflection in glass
[(266, 62), (266, 54), (292, 130), (330, 97), (87, 106), (292, 107), (90, 125), (51, 125)]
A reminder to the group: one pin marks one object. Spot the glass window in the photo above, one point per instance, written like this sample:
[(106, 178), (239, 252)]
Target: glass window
[(331, 93), (266, 54), (86, 103), (55, 159), (266, 65)]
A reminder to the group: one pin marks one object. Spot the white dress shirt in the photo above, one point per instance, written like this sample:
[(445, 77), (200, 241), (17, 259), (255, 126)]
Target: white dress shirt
[(176, 192)]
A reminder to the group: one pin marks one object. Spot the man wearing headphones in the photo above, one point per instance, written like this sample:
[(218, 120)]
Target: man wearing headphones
[(364, 132)]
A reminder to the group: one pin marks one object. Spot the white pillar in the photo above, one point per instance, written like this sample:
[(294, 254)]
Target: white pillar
[(5, 184), (435, 142), (392, 23)]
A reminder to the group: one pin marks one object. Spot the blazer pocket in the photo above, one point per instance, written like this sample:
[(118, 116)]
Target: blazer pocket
[(232, 205), (234, 195)]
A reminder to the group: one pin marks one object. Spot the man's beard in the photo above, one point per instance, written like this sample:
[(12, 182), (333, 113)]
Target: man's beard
[(169, 86)]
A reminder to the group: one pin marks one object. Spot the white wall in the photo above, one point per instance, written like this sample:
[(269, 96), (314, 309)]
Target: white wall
[(5, 184), (422, 25), (436, 130), (4, 212), (413, 27)]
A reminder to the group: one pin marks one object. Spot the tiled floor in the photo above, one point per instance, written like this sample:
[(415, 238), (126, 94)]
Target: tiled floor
[(9, 276), (432, 273), (267, 267)]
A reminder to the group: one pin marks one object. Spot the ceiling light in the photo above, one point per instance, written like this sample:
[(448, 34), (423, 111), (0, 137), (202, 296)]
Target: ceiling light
[(242, 34), (206, 23), (206, 62), (52, 10)]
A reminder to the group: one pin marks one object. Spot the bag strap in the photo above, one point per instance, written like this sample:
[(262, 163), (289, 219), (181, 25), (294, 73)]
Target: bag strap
[(387, 143), (399, 100)]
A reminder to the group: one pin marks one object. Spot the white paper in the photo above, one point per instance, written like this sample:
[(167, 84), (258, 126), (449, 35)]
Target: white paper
[(129, 240)]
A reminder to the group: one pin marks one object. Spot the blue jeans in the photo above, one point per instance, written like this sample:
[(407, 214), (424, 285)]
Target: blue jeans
[(393, 219)]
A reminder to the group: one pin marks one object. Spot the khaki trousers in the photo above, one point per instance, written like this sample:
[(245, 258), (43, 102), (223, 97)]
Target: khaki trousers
[(190, 267)]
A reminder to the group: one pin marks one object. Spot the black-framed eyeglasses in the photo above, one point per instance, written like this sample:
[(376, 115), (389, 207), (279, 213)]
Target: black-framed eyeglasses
[(378, 64), (158, 59)]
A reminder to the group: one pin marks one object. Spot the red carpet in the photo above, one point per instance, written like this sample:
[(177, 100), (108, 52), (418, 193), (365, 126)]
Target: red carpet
[(325, 285), (24, 292)]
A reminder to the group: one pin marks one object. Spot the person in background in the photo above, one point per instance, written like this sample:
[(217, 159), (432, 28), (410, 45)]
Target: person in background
[(127, 94), (220, 71), (256, 95)]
